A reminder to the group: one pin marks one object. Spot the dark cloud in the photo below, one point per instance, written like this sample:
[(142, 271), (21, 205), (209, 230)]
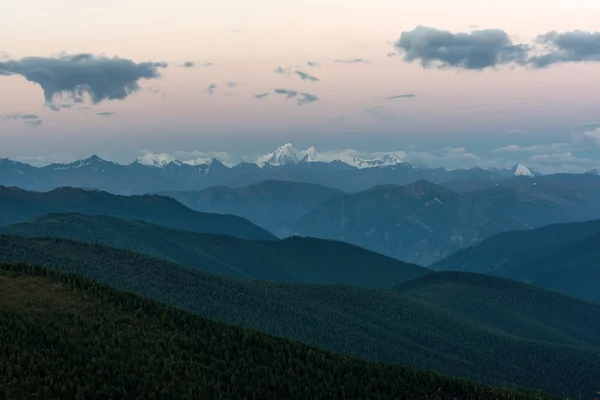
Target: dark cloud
[(402, 96), (260, 95), (280, 70), (100, 77), (307, 98), (575, 46), (313, 64), (304, 76), (301, 97), (105, 114), (29, 119), (232, 84), (188, 64), (477, 50), (288, 93), (211, 88), (352, 61)]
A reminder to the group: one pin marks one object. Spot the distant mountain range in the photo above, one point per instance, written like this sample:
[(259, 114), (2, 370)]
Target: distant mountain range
[(423, 222), (153, 173), (274, 205)]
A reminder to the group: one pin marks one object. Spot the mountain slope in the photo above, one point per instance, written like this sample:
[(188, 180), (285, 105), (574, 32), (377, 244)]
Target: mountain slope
[(423, 222), (289, 260), (511, 307), (77, 339), (380, 325), (18, 205), (562, 257), (274, 205)]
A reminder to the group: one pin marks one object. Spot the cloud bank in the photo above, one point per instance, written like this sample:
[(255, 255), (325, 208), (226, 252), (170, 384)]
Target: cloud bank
[(492, 48), (568, 47), (73, 76), (477, 50)]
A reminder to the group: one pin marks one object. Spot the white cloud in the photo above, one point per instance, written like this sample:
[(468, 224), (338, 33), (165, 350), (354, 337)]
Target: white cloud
[(562, 162), (40, 161), (538, 148), (587, 134), (593, 136)]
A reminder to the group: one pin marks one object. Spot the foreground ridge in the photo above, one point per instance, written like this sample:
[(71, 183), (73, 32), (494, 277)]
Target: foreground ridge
[(66, 337)]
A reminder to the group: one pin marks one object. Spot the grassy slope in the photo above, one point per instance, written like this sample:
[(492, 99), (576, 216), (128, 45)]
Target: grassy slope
[(380, 325), (66, 337), (302, 260)]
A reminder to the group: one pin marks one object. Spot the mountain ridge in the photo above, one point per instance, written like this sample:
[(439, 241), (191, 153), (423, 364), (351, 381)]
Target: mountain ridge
[(19, 205), (562, 257)]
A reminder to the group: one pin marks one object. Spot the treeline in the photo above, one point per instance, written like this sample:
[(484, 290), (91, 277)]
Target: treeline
[(64, 337)]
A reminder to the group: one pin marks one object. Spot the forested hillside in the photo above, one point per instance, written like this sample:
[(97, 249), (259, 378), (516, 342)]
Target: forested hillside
[(302, 260), (64, 337), (380, 325)]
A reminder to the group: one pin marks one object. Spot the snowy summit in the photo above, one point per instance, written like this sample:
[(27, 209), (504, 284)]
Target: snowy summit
[(521, 170)]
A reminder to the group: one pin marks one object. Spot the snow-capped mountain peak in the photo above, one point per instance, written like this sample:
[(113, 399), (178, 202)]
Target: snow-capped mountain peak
[(521, 170), (283, 155), (595, 172), (287, 155), (155, 160), (199, 161)]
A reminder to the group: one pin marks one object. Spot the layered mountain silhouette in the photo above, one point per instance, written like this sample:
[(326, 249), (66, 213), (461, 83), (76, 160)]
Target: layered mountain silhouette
[(17, 205), (561, 257), (274, 205), (301, 260), (424, 222)]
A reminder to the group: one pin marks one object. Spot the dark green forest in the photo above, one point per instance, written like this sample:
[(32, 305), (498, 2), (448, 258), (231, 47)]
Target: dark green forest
[(302, 260), (373, 324), (64, 337)]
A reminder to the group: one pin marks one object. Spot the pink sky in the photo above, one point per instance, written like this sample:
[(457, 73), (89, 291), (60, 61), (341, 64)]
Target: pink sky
[(276, 33)]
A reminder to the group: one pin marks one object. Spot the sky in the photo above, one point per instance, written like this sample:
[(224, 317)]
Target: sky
[(442, 83)]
